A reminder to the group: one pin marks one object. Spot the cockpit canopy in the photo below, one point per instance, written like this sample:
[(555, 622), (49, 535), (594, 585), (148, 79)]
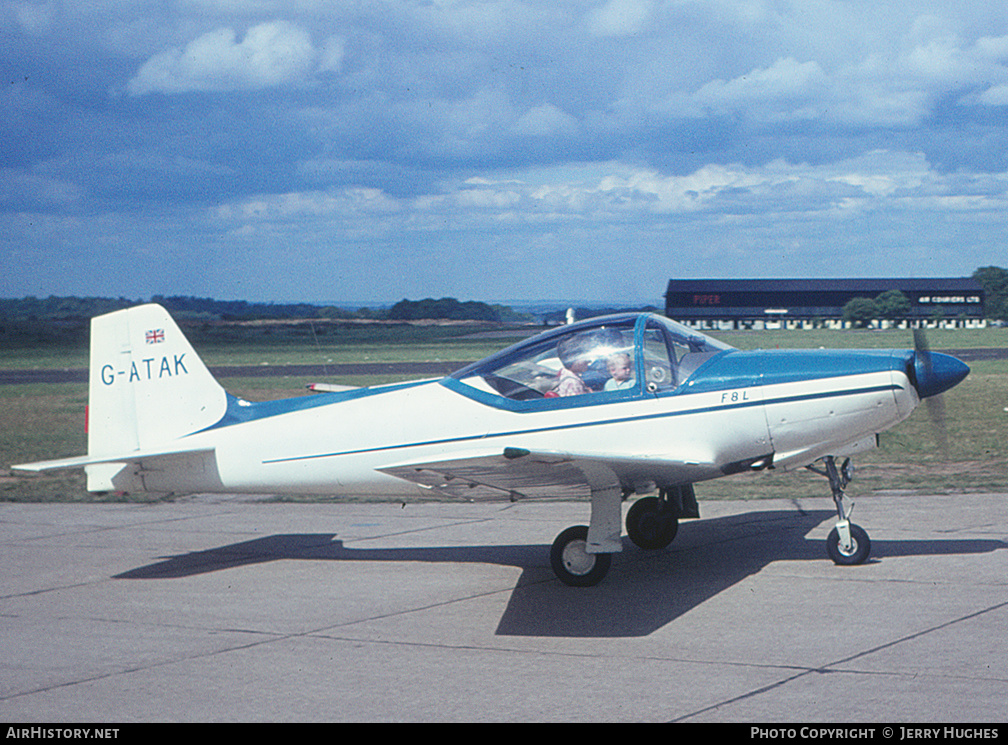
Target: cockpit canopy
[(622, 354)]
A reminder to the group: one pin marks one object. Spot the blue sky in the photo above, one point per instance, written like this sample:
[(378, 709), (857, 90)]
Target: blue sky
[(370, 151)]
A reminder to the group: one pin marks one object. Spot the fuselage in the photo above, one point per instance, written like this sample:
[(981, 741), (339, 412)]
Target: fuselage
[(601, 408), (739, 410)]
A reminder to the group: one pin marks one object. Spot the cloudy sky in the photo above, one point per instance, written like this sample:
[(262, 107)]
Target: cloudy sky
[(499, 150)]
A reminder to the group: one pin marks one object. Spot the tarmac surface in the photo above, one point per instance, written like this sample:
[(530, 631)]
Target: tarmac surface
[(235, 609)]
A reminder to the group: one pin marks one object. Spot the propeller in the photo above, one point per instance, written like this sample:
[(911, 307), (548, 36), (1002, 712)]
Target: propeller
[(934, 374), (936, 403)]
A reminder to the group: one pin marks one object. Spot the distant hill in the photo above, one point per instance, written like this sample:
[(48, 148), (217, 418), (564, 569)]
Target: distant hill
[(55, 308), (65, 320)]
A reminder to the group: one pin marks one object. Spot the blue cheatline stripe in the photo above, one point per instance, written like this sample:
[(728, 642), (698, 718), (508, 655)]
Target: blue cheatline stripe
[(834, 394), (599, 423)]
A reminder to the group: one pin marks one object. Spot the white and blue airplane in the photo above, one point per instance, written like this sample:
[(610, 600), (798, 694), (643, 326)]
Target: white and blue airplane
[(603, 408)]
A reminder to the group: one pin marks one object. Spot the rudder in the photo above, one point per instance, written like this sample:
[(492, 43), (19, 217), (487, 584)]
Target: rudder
[(146, 387)]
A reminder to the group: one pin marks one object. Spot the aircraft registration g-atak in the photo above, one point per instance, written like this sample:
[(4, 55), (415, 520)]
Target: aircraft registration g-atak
[(602, 409)]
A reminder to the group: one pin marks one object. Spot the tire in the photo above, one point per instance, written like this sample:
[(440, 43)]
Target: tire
[(572, 564), (647, 525), (860, 547)]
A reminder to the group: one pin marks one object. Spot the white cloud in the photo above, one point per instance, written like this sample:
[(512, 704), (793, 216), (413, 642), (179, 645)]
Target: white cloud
[(18, 187), (271, 54), (878, 180), (786, 82), (619, 18), (545, 120), (331, 56), (993, 48), (34, 18), (340, 203), (996, 95)]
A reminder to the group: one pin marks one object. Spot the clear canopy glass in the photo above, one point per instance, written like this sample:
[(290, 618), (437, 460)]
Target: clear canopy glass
[(629, 353)]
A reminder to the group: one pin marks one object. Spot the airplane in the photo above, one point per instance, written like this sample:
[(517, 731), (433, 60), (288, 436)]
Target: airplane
[(602, 409)]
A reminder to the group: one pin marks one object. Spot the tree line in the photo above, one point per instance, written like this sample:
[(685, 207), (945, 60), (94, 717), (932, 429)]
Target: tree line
[(994, 280), (64, 321), (890, 305), (69, 309)]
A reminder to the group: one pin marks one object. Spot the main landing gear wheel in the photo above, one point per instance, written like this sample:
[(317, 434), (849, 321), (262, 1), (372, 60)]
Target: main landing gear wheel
[(572, 562), (857, 553), (651, 524)]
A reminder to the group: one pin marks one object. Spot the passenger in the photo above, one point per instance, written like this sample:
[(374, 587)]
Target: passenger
[(621, 372)]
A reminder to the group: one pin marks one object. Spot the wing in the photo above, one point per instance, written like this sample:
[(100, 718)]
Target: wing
[(517, 473)]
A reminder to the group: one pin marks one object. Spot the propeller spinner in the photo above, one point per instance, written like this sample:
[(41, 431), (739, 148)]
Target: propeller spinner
[(934, 372)]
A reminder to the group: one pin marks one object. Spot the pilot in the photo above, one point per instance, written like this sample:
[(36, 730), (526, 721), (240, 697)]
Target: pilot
[(574, 359), (621, 372)]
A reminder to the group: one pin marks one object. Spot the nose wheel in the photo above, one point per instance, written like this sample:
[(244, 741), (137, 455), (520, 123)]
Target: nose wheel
[(847, 544), (853, 549)]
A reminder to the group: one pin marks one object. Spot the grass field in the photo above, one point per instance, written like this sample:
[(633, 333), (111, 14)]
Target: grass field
[(47, 421)]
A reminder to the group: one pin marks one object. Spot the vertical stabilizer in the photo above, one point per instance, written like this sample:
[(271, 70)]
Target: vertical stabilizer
[(146, 387)]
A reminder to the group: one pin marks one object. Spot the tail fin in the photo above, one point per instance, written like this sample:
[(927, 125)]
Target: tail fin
[(146, 387)]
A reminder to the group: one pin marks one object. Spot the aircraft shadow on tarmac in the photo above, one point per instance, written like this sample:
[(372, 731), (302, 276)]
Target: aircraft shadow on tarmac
[(644, 591)]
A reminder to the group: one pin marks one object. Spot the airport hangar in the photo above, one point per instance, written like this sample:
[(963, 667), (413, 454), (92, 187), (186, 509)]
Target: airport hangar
[(814, 303)]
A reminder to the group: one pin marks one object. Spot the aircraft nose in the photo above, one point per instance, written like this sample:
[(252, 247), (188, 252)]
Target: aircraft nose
[(936, 372)]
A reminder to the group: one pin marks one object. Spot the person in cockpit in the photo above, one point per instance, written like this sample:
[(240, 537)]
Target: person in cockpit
[(621, 372), (574, 358)]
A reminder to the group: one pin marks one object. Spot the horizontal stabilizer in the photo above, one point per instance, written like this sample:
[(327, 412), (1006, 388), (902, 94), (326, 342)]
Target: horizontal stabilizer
[(330, 388), (135, 456)]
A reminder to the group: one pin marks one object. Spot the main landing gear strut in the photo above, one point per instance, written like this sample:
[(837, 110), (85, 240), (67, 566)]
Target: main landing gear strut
[(847, 544)]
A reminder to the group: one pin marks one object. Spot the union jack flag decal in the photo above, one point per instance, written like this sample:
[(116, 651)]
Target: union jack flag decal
[(155, 336)]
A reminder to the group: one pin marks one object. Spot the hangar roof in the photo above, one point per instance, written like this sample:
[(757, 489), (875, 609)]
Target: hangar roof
[(750, 298), (874, 285)]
